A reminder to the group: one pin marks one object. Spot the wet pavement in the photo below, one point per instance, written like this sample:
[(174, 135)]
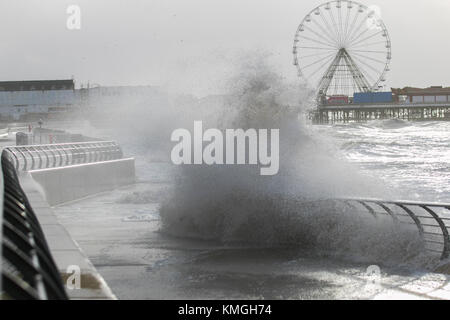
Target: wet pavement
[(123, 241)]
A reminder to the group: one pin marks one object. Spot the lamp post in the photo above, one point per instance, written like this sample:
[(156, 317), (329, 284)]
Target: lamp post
[(40, 123)]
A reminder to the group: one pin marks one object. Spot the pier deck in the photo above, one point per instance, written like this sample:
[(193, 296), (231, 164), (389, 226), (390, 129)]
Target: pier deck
[(345, 113)]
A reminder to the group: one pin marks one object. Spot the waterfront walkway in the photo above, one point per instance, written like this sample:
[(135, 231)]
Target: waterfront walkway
[(64, 249)]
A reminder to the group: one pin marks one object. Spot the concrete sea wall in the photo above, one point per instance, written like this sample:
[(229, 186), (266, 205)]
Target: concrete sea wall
[(74, 182)]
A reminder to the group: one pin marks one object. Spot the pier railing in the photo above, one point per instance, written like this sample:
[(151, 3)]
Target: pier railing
[(346, 113), (35, 157), (27, 267), (432, 220)]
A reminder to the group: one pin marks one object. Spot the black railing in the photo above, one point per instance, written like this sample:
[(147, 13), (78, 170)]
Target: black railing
[(65, 154), (28, 269), (431, 219)]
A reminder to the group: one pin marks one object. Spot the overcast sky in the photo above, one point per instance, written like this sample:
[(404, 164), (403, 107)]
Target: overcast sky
[(192, 43)]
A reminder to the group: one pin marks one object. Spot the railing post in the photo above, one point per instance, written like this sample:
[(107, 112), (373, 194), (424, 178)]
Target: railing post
[(413, 216), (446, 250)]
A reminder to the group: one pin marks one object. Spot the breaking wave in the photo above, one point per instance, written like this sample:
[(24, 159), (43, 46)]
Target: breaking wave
[(235, 205)]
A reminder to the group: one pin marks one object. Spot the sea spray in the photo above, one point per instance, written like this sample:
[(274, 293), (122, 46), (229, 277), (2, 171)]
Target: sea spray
[(234, 204)]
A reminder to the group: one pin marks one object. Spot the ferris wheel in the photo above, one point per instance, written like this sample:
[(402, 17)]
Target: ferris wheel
[(342, 47)]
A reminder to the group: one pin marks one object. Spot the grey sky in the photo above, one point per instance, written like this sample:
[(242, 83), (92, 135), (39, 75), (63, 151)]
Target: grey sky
[(191, 43)]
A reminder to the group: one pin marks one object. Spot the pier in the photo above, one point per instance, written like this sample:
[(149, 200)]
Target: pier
[(330, 114)]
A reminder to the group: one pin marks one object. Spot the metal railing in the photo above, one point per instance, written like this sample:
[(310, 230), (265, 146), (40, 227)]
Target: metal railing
[(28, 269), (35, 157), (431, 219)]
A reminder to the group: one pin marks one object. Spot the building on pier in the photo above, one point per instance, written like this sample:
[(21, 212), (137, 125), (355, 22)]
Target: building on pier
[(435, 94)]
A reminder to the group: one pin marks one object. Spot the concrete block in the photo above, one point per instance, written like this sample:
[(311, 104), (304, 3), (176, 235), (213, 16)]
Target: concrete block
[(75, 182)]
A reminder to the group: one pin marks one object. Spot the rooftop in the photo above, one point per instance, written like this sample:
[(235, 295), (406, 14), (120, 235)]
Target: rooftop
[(410, 91), (37, 85)]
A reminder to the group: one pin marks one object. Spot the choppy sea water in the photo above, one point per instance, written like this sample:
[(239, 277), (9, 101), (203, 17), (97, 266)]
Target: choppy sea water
[(121, 230), (412, 157)]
